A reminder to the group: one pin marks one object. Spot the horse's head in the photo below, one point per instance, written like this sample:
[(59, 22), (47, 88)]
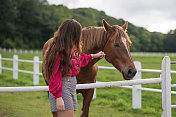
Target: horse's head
[(117, 49)]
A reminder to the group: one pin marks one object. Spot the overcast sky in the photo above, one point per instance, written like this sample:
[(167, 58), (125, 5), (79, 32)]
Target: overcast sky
[(155, 15)]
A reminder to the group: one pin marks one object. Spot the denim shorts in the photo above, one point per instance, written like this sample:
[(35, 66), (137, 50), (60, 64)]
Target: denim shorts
[(68, 94)]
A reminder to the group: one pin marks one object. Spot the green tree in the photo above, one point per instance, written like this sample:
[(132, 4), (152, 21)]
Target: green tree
[(8, 14), (8, 44), (135, 44), (157, 42), (170, 41), (145, 40), (30, 23)]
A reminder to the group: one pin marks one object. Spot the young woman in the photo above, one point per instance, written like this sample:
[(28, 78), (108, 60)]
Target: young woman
[(63, 61)]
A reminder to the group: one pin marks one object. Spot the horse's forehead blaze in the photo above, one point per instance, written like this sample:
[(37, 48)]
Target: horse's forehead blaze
[(124, 40)]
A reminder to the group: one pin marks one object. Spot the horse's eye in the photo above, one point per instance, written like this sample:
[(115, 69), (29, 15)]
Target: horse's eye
[(116, 45)]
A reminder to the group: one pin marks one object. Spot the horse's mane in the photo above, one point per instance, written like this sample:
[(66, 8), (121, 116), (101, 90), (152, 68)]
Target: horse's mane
[(92, 37), (95, 37)]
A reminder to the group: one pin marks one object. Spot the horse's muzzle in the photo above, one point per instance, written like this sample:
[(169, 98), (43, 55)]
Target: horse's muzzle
[(129, 74)]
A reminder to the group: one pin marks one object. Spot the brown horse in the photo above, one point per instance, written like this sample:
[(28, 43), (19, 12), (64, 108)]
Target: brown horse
[(114, 41)]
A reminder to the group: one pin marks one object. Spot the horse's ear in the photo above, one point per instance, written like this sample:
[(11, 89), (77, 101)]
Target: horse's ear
[(125, 26), (106, 25)]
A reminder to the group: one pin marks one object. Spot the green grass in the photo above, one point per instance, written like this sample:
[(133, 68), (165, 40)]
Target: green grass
[(110, 102)]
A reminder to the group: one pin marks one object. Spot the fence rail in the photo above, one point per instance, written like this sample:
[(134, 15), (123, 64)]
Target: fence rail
[(84, 86)]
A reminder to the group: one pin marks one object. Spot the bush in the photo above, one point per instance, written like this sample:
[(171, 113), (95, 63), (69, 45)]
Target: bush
[(8, 44)]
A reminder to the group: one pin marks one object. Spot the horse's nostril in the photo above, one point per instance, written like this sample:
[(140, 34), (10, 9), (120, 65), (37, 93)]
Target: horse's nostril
[(130, 71)]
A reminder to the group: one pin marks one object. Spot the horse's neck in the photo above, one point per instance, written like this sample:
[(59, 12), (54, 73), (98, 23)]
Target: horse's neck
[(94, 39)]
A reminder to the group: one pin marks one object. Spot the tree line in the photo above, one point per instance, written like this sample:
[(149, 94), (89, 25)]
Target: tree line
[(28, 24)]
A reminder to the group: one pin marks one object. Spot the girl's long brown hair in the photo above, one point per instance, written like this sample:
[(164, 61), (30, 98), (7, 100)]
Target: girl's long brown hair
[(67, 37)]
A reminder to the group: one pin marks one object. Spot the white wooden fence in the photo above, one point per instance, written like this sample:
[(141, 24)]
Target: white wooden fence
[(20, 51), (15, 69), (165, 79), (132, 53), (36, 68)]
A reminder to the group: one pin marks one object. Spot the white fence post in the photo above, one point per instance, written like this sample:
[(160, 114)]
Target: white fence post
[(136, 90), (0, 64), (166, 87), (36, 71), (95, 93), (4, 49), (15, 67)]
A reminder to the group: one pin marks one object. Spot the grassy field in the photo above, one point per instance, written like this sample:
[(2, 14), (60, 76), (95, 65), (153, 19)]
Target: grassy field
[(110, 102)]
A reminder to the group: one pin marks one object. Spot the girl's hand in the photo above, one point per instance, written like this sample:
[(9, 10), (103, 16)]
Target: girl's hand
[(98, 55), (60, 104)]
